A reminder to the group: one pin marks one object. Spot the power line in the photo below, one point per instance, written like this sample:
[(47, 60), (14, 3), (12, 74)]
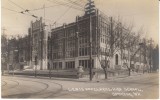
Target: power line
[(75, 3), (10, 10), (58, 4), (16, 4), (25, 10), (16, 11), (64, 13), (66, 5), (82, 2), (46, 7), (42, 8)]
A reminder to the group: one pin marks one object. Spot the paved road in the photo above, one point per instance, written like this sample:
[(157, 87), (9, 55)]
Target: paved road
[(134, 87)]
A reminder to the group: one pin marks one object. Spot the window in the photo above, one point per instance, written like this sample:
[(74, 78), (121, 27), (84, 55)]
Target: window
[(60, 65), (86, 51), (86, 63), (116, 59), (82, 51), (70, 65), (48, 66)]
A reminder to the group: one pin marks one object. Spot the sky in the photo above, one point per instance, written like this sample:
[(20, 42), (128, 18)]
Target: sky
[(141, 13)]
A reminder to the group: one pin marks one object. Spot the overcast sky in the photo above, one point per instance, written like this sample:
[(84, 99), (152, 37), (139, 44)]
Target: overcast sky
[(142, 13)]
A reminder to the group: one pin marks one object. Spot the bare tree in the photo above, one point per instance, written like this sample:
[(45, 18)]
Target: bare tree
[(4, 52), (115, 40), (120, 38), (133, 46)]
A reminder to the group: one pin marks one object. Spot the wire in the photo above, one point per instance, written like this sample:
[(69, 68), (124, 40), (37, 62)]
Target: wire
[(16, 4), (66, 5), (26, 10), (47, 7), (10, 10), (75, 3), (63, 13), (82, 2), (15, 11), (42, 8)]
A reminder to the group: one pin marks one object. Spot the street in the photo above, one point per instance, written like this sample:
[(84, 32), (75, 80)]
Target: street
[(144, 86)]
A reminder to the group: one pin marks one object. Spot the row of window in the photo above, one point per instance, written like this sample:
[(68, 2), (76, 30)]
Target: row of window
[(70, 54), (84, 51), (86, 63), (70, 44), (71, 64), (83, 40), (70, 32), (56, 65), (104, 40), (57, 55), (60, 33)]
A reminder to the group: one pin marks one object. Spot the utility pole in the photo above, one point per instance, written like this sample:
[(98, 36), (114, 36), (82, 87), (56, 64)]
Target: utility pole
[(49, 66), (106, 60), (90, 9), (90, 40)]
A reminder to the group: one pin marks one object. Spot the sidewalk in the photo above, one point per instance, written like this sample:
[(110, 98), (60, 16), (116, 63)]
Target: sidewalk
[(83, 79), (111, 78)]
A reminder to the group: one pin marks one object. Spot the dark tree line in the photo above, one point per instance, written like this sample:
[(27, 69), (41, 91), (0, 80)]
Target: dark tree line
[(155, 57)]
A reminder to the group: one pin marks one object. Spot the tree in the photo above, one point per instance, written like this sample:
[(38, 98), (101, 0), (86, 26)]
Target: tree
[(155, 56), (133, 48), (116, 37), (4, 52), (121, 38), (36, 63)]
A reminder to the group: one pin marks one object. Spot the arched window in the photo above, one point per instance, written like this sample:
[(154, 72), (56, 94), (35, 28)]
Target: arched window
[(116, 59)]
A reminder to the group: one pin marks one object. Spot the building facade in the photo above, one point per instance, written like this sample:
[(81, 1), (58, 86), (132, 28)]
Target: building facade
[(68, 46), (38, 38), (70, 43)]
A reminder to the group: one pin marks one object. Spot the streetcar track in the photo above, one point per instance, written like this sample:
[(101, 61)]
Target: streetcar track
[(14, 86), (5, 83), (40, 83), (39, 92), (55, 92)]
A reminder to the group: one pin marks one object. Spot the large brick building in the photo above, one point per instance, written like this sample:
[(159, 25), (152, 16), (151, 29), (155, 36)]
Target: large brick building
[(68, 46)]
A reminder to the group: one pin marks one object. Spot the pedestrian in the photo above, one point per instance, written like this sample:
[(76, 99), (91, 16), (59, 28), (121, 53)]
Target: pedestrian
[(80, 71)]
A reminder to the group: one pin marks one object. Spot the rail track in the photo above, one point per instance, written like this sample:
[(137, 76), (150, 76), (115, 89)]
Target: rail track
[(34, 94)]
